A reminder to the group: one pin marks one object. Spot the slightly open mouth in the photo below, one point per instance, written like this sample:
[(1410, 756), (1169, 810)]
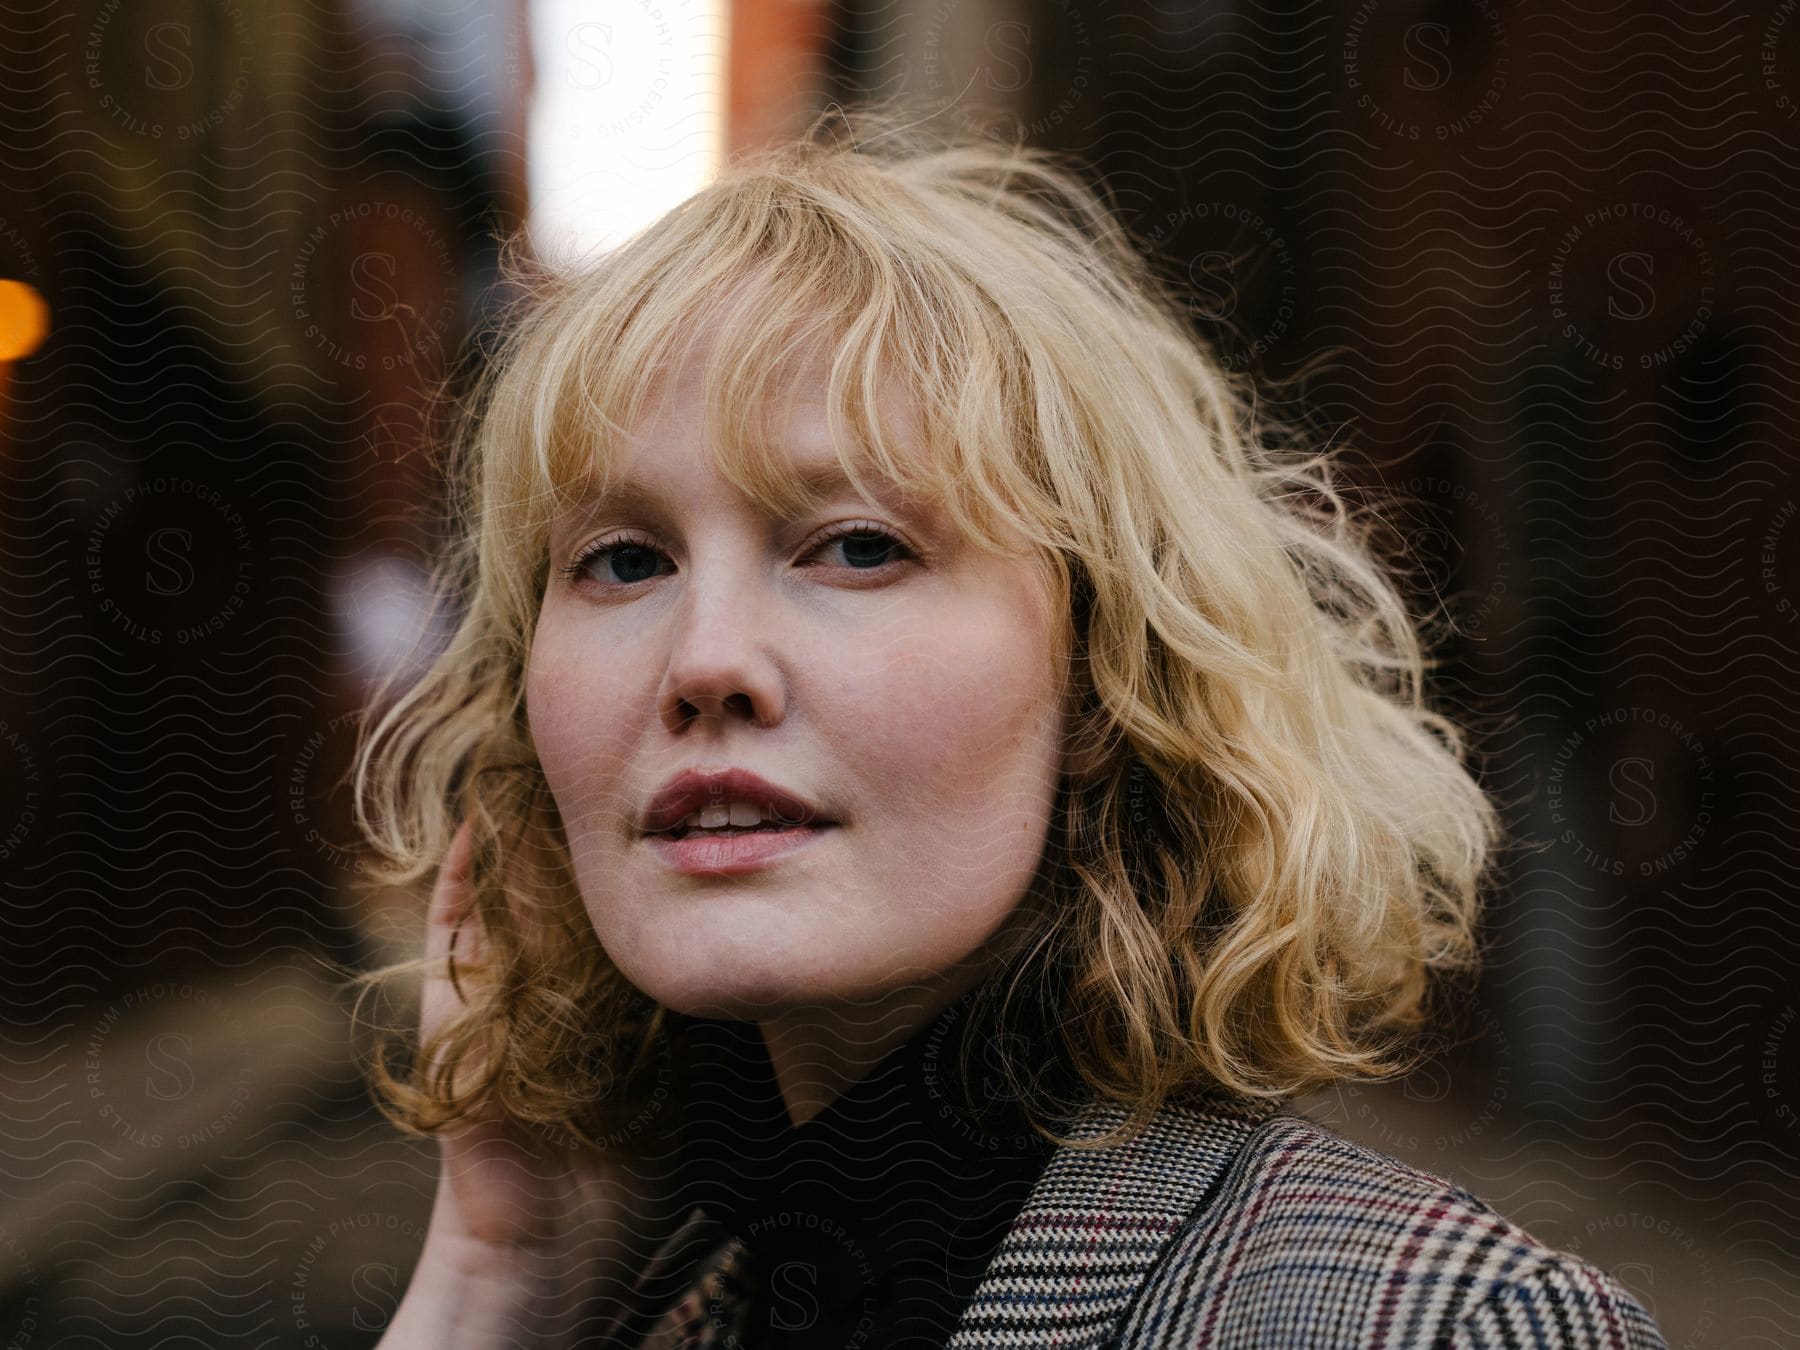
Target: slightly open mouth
[(767, 827)]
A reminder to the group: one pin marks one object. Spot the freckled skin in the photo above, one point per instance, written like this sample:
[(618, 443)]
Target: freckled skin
[(919, 703)]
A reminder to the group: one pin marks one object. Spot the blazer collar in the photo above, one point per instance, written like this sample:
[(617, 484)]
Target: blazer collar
[(1098, 1220)]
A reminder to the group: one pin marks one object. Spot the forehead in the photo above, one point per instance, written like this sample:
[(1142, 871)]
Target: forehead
[(783, 443), (643, 486), (784, 411)]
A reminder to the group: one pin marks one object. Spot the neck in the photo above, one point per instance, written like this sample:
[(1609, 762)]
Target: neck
[(818, 1053)]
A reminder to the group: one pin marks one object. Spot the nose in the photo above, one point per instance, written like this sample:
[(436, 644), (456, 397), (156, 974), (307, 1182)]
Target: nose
[(721, 662)]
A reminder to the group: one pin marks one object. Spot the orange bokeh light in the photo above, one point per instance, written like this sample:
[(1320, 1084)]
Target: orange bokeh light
[(24, 320)]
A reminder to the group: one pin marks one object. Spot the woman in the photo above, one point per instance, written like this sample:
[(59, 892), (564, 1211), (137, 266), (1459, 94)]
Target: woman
[(922, 775)]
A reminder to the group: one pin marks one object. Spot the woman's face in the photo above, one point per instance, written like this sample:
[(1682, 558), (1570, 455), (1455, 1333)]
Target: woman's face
[(905, 685)]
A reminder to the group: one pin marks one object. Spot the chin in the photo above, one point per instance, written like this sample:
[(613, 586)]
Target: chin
[(709, 979), (716, 982)]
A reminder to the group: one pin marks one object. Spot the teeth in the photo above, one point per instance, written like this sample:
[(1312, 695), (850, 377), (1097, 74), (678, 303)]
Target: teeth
[(718, 815)]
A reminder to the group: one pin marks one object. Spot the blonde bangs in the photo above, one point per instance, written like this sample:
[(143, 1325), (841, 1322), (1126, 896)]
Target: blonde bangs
[(820, 287)]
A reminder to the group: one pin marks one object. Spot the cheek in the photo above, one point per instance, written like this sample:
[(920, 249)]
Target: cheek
[(566, 706), (960, 741)]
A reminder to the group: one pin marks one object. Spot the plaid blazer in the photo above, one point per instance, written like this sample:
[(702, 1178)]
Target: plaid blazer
[(1229, 1225)]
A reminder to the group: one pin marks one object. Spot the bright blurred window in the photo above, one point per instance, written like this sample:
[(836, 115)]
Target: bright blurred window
[(627, 119)]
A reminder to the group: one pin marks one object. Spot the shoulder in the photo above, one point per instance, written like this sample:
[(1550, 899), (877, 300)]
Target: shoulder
[(1229, 1224), (1312, 1239)]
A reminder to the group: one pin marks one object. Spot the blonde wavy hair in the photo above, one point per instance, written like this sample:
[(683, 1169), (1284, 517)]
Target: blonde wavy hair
[(1271, 848)]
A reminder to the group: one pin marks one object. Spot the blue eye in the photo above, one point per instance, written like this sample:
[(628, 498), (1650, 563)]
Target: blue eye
[(629, 556), (866, 547), (628, 559), (639, 563)]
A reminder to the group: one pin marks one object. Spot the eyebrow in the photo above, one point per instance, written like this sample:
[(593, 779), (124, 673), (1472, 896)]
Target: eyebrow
[(633, 494)]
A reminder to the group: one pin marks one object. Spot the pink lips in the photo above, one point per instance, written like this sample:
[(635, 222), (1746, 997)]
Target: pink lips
[(733, 854), (700, 852), (692, 789)]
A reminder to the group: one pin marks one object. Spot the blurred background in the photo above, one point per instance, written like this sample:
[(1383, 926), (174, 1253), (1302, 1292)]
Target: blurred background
[(1534, 260)]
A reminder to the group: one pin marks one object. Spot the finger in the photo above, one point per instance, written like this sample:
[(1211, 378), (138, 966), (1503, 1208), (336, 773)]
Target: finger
[(450, 897), (452, 901)]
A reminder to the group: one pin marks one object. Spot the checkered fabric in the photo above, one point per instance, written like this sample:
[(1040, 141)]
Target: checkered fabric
[(1230, 1226), (712, 1313)]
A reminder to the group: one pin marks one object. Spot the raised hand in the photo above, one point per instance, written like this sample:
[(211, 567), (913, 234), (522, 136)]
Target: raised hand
[(529, 1239)]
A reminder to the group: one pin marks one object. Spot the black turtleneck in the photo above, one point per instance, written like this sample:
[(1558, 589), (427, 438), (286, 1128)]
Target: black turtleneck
[(871, 1224)]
